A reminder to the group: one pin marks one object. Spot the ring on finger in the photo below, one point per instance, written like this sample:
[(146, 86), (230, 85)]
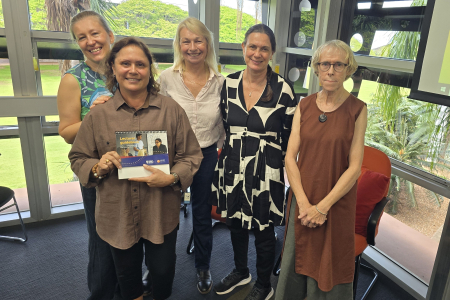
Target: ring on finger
[(107, 160)]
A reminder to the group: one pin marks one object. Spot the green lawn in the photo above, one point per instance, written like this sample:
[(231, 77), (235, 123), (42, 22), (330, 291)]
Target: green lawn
[(12, 172)]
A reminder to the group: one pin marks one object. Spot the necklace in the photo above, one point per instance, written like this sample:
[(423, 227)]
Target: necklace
[(191, 81), (323, 117), (249, 85)]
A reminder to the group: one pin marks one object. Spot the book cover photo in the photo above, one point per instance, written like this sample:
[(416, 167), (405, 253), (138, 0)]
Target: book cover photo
[(137, 148)]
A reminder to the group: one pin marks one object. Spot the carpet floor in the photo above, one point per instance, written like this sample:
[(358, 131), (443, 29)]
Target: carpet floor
[(52, 264)]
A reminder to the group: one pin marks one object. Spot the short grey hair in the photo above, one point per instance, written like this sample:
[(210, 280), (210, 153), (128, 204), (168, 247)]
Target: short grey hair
[(335, 44)]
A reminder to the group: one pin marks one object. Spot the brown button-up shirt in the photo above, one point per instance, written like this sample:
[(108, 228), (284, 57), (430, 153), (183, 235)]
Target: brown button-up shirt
[(126, 210)]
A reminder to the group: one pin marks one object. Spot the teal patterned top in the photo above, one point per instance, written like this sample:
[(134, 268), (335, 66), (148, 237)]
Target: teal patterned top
[(92, 85)]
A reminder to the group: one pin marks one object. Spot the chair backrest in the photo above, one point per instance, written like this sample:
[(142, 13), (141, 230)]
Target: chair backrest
[(377, 161)]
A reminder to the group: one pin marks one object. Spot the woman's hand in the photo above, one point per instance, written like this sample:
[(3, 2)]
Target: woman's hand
[(312, 218), (157, 179), (100, 100), (107, 162), (303, 206)]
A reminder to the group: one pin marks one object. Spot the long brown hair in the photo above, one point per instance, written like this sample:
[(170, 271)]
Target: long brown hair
[(261, 28), (111, 82)]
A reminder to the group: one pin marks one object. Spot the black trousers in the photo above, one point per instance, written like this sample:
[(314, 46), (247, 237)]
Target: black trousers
[(265, 251), (201, 208), (160, 260), (101, 274)]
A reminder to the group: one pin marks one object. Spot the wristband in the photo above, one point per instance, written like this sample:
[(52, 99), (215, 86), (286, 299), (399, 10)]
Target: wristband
[(320, 211)]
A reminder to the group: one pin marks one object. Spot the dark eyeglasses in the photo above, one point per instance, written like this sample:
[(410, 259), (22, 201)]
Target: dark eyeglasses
[(338, 67)]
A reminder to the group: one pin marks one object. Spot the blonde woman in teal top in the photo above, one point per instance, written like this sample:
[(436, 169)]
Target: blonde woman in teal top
[(82, 87)]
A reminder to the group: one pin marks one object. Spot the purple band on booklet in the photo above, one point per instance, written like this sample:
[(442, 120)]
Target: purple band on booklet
[(135, 161)]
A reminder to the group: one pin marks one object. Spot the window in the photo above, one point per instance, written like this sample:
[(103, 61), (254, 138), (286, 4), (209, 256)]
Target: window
[(50, 72), (385, 29), (302, 25), (414, 133), (156, 19), (12, 173), (236, 17), (2, 21), (298, 73), (64, 185), (6, 87)]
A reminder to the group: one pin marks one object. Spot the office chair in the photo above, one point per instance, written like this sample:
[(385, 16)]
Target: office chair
[(6, 194), (373, 187)]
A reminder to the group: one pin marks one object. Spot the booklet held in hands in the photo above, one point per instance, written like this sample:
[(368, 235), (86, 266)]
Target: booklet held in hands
[(137, 148)]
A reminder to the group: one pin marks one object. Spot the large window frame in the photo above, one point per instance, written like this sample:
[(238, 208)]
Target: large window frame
[(29, 106)]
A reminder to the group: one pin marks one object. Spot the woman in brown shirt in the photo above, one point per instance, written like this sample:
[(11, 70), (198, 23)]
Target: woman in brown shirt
[(328, 137), (139, 211)]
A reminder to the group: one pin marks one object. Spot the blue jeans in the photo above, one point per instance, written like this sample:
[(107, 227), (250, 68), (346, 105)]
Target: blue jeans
[(201, 208), (101, 275)]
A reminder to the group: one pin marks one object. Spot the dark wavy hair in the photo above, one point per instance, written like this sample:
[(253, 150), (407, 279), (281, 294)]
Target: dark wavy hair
[(111, 82), (261, 28)]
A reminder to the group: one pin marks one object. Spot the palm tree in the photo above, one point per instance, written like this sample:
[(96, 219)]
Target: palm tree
[(407, 143)]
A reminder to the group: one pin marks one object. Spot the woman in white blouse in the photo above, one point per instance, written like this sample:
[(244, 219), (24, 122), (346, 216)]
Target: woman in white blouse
[(195, 83)]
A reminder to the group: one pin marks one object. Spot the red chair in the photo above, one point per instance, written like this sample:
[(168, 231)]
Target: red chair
[(379, 164)]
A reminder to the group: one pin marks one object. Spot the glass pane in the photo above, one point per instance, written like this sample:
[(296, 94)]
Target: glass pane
[(12, 173), (415, 133), (302, 25), (161, 66), (411, 227), (298, 73), (6, 122), (236, 17), (157, 19), (51, 70), (6, 87), (64, 186), (388, 29), (2, 21), (225, 70)]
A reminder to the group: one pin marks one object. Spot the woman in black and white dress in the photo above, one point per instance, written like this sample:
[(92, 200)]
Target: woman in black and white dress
[(248, 188)]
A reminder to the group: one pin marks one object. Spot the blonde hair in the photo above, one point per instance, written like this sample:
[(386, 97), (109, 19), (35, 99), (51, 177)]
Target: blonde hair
[(197, 27), (339, 45), (88, 13)]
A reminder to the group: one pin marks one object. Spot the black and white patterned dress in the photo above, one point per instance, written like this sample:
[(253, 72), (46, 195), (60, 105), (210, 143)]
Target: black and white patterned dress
[(249, 179)]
